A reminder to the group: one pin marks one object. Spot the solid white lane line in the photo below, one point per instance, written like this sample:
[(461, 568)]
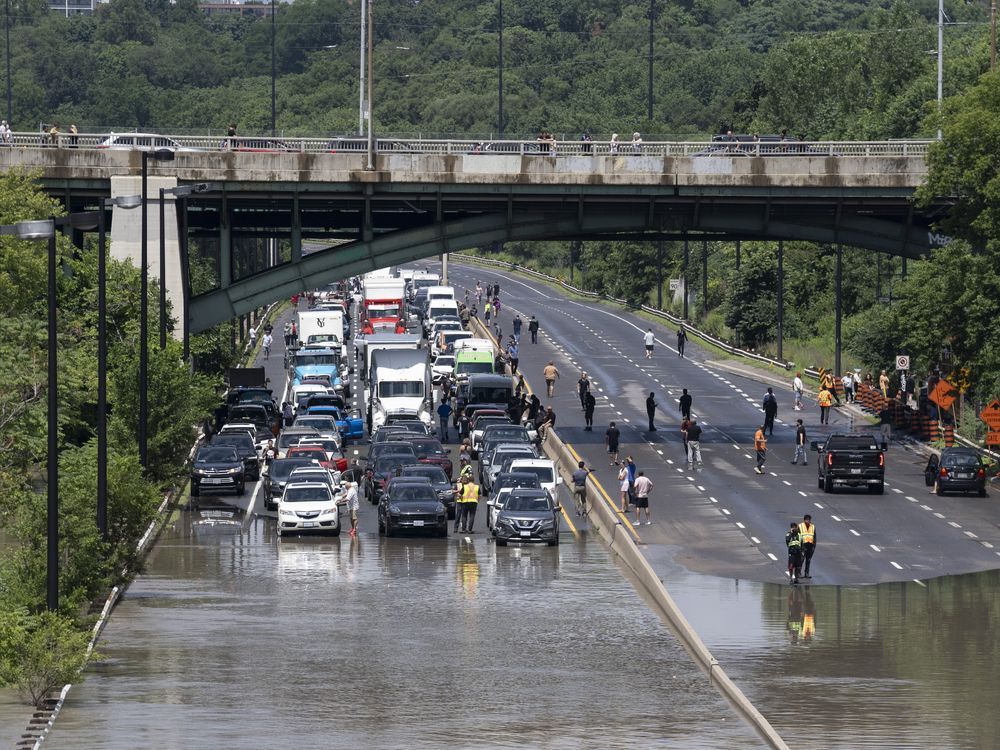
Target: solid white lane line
[(971, 535), (818, 506), (896, 565), (874, 547), (836, 518), (954, 525), (855, 532)]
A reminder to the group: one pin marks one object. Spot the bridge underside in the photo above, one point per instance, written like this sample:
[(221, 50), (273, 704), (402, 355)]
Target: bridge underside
[(369, 226)]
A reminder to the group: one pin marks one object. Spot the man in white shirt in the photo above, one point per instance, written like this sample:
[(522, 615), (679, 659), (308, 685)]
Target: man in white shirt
[(648, 340), (643, 486), (797, 388), (351, 501)]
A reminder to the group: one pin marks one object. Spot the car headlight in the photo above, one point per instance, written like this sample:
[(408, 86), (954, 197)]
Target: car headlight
[(394, 509), (283, 512), (234, 471), (198, 472), (546, 524), (440, 508)]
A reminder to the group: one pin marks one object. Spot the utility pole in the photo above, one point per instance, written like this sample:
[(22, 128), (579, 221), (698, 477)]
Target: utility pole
[(274, 131), (500, 74), (781, 299), (361, 68), (839, 294), (649, 93), (371, 88), (993, 35), (940, 62), (704, 278), (687, 258), (659, 275)]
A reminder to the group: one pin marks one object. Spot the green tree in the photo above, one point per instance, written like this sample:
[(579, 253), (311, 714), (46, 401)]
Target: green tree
[(750, 300)]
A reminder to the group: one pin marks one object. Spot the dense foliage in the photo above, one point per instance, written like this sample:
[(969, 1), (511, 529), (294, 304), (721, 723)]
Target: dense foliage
[(89, 565)]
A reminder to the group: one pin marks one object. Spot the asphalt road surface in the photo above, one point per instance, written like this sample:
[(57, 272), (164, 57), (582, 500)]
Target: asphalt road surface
[(721, 518)]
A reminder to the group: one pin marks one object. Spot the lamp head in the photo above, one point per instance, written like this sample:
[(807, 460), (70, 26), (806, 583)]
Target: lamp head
[(127, 201), (42, 229)]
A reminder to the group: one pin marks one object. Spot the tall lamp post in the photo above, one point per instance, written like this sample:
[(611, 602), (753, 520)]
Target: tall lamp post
[(126, 202), (157, 155), (177, 192), (500, 73), (371, 87), (10, 109), (274, 131), (361, 75)]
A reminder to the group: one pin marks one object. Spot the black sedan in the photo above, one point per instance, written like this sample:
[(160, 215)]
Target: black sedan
[(439, 481), (217, 467), (957, 470), (411, 504), (528, 516)]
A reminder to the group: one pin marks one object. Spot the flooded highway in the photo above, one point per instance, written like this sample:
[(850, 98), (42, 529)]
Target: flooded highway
[(233, 639)]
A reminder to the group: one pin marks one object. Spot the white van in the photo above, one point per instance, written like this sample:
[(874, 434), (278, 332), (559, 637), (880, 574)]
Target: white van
[(437, 309), (440, 292)]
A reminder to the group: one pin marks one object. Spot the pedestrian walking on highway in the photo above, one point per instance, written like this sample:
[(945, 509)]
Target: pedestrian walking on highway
[(693, 434), (488, 313), (513, 354), (589, 402), (444, 411), (353, 505), (685, 423), (648, 340), (467, 502), (800, 443), (643, 486), (623, 488), (266, 345), (826, 381), (682, 338), (496, 305), (760, 447), (611, 438), (685, 404), (517, 327), (807, 540), (288, 335), (550, 373), (885, 424), (533, 329), (295, 334), (794, 545), (883, 384), (500, 364), (534, 407), (797, 388), (632, 473), (848, 382), (252, 335), (770, 408), (825, 401), (582, 389), (580, 488), (287, 414), (651, 411)]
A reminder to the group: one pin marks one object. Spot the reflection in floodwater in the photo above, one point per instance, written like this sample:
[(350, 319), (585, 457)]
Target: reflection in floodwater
[(241, 640), (900, 665)]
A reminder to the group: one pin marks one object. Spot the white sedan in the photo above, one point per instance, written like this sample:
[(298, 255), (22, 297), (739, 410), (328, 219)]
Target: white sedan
[(308, 507)]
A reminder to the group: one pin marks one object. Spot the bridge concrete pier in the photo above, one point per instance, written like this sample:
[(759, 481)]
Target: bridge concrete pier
[(126, 239)]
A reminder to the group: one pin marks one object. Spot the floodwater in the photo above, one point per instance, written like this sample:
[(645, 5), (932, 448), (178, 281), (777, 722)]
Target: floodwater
[(898, 665), (233, 639)]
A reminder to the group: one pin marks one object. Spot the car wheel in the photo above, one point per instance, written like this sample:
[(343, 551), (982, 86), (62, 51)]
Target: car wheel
[(982, 492), (336, 531), (388, 530), (241, 490), (554, 542), (827, 484), (878, 489), (501, 542), (195, 489), (819, 482), (443, 531)]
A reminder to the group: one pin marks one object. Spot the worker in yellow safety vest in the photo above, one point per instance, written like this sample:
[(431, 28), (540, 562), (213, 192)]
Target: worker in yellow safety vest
[(807, 537), (466, 504), (825, 401), (760, 446)]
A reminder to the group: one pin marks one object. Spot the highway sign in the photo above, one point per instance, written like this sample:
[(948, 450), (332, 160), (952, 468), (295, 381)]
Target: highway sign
[(991, 415), (993, 438), (902, 362), (943, 394), (675, 284)]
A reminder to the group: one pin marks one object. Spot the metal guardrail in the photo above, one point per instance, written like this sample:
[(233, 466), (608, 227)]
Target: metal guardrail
[(388, 144), (691, 330)]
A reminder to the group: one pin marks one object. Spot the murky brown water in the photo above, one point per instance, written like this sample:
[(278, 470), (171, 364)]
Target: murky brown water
[(235, 640)]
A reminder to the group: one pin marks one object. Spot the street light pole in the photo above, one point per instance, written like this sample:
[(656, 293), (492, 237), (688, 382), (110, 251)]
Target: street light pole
[(163, 274), (500, 75), (10, 109), (940, 62), (649, 94), (102, 375), (52, 522), (361, 69), (274, 131), (371, 87)]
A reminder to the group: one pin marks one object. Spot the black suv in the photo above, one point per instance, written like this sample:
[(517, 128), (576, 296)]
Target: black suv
[(411, 503), (245, 446), (217, 467)]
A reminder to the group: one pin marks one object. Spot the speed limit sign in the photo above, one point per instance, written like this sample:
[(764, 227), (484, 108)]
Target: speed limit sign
[(902, 362)]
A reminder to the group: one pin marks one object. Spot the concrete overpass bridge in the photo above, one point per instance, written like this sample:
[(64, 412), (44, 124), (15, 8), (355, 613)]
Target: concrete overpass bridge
[(422, 198)]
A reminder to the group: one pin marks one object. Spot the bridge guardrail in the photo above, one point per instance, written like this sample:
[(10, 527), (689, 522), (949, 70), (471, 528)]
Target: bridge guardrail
[(691, 330), (387, 144)]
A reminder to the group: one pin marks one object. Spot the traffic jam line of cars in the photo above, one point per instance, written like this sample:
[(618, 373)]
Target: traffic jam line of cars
[(408, 473)]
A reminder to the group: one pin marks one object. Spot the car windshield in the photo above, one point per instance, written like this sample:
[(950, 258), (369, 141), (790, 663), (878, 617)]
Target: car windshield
[(320, 423), (852, 444), (444, 361), (307, 450), (471, 368), (310, 475), (511, 432), (308, 359), (254, 415), (282, 468), (397, 388), (489, 395), (483, 421), (383, 311), (216, 455), (331, 446), (426, 447), (413, 493), (323, 399), (306, 495), (389, 464), (433, 473), (238, 439), (544, 473), (524, 480), (287, 439), (527, 503)]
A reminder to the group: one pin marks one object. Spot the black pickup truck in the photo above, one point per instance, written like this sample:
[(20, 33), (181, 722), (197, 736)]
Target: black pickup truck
[(852, 461)]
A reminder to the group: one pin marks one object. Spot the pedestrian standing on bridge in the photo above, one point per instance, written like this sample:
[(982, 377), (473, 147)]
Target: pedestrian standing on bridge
[(770, 409), (648, 340), (580, 488), (582, 389), (643, 486), (633, 472), (682, 338), (516, 325), (760, 447), (589, 403), (611, 438), (797, 388), (533, 329), (794, 545), (623, 488), (685, 403), (807, 539), (800, 443), (694, 441), (550, 373), (651, 411)]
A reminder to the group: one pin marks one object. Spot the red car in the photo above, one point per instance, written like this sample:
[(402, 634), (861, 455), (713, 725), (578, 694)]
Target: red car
[(316, 452), (429, 451)]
